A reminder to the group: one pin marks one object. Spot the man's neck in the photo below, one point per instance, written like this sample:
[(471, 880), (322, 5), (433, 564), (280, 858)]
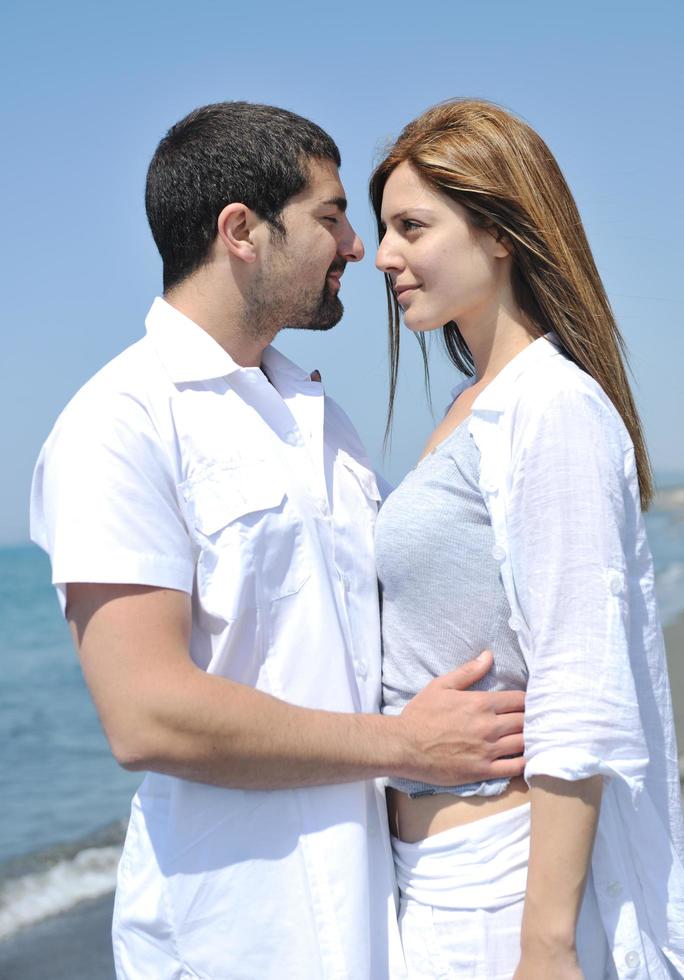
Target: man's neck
[(222, 317)]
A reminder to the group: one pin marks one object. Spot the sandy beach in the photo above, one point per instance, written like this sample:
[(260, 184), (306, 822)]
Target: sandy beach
[(77, 945)]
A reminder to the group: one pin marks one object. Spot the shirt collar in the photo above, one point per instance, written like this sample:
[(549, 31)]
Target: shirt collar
[(495, 396), (277, 364), (189, 353)]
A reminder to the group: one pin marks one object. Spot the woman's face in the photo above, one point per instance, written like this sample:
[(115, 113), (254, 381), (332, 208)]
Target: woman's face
[(442, 267)]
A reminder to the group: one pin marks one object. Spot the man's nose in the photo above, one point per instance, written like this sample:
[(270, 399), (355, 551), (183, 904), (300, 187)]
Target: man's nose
[(351, 248)]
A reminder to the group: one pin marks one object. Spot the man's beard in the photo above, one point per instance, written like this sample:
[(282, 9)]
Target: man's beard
[(316, 315), (274, 303)]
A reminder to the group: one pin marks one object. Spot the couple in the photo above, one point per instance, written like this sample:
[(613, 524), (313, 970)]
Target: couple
[(211, 520)]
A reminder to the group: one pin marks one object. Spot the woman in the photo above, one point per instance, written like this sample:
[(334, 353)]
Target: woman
[(520, 530)]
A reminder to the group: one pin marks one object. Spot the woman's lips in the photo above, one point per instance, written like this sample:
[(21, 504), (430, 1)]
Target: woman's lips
[(403, 292)]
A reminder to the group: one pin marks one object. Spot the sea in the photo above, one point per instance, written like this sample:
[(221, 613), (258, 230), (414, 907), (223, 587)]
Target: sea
[(63, 799)]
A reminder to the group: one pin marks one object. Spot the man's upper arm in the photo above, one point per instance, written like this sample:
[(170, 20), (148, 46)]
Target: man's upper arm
[(133, 644)]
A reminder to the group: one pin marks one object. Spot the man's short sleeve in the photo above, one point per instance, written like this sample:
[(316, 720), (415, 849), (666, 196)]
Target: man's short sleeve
[(103, 499)]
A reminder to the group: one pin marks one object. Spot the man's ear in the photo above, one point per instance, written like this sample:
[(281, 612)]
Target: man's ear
[(235, 228)]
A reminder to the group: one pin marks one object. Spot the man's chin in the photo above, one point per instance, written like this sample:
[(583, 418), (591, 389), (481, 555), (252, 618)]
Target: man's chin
[(325, 318)]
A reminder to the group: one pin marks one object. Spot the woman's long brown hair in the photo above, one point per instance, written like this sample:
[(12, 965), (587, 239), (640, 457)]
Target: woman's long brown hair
[(502, 172)]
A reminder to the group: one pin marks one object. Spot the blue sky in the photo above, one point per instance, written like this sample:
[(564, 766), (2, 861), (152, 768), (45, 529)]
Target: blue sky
[(90, 88)]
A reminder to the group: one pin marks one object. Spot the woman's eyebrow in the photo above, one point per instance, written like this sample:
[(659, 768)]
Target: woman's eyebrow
[(405, 211)]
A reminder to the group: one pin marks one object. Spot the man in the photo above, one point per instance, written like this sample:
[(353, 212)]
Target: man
[(209, 515)]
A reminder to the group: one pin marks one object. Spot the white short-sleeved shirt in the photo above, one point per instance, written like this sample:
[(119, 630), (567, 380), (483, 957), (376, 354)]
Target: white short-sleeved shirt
[(175, 467), (559, 479)]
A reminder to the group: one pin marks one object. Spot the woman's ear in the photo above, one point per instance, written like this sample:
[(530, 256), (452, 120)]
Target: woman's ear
[(235, 226), (502, 243)]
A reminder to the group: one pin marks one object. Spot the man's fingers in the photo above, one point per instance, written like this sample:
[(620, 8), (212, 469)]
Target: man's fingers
[(509, 745), (505, 701), (468, 673), (510, 723), (507, 768)]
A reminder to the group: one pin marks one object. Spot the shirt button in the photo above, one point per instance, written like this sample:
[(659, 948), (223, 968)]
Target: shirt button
[(614, 888), (615, 583), (346, 583), (498, 552), (488, 485), (632, 958), (515, 623), (361, 669), (292, 438)]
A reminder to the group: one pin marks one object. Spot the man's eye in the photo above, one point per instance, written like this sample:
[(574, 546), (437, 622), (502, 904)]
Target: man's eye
[(331, 218)]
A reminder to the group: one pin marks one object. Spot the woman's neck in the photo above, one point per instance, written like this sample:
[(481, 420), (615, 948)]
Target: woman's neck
[(495, 340)]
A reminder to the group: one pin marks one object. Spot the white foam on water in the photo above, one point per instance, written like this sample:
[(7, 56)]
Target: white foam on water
[(670, 591), (32, 897)]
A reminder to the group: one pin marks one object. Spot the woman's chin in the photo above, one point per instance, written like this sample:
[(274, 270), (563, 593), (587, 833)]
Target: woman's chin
[(417, 324)]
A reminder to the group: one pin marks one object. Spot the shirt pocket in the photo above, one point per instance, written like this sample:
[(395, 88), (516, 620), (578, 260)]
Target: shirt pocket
[(249, 536)]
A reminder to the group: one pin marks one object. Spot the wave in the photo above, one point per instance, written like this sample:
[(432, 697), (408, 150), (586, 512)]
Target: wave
[(670, 590), (665, 524), (45, 883), (670, 499)]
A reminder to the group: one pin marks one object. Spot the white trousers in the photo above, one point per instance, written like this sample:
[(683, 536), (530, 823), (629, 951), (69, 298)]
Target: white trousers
[(461, 902)]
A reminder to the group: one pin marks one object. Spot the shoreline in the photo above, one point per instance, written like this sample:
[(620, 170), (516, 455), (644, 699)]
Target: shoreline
[(674, 645), (73, 945), (76, 945)]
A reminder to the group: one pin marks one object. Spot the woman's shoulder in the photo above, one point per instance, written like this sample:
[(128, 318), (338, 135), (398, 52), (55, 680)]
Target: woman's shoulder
[(560, 383), (559, 401)]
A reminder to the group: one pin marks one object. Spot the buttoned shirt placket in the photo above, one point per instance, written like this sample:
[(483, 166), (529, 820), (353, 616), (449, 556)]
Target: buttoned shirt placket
[(293, 412)]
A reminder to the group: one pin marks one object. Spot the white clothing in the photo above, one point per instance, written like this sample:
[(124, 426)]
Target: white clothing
[(559, 480), (175, 467), (480, 865), (462, 898)]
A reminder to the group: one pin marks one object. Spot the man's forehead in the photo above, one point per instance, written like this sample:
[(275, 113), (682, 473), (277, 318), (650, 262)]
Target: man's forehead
[(324, 185)]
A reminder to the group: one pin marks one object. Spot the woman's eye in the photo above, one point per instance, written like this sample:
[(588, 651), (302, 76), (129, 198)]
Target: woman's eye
[(410, 225)]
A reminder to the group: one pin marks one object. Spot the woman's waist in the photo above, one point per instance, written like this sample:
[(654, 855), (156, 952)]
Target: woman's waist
[(413, 819)]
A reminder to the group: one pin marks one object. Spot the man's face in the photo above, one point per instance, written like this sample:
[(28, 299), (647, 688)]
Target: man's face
[(300, 275)]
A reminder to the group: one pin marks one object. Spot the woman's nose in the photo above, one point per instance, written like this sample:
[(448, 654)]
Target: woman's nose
[(386, 257)]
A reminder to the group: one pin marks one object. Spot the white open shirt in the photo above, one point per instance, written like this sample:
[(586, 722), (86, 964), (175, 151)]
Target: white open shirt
[(175, 467), (558, 476)]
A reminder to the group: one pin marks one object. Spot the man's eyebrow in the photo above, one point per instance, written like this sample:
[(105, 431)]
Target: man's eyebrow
[(335, 202)]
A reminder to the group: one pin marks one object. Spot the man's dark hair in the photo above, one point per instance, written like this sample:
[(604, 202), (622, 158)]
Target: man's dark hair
[(218, 154)]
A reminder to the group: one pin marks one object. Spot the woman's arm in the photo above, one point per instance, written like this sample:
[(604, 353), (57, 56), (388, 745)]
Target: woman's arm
[(572, 517), (563, 824)]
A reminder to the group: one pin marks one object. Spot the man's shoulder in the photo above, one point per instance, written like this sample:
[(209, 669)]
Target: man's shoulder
[(122, 392), (135, 374)]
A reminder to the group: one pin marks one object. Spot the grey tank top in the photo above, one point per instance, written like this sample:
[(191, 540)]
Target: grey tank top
[(443, 601)]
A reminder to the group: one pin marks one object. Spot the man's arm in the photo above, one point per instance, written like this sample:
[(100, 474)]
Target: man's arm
[(161, 712)]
